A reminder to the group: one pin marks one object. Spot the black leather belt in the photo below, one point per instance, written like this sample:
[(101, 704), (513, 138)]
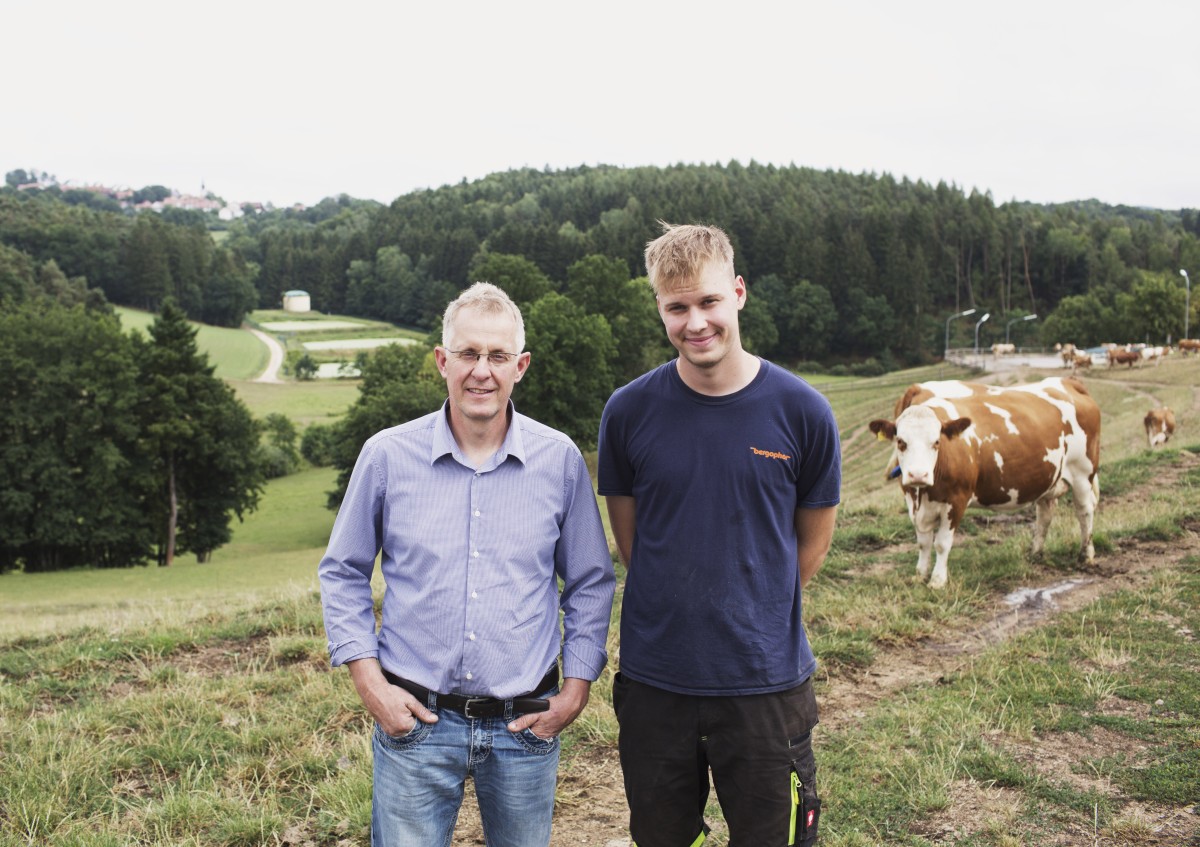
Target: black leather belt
[(480, 707)]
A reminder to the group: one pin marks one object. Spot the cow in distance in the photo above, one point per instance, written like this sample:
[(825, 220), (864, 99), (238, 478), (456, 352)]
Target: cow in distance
[(1160, 426)]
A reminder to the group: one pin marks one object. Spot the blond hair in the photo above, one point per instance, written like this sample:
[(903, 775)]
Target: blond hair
[(487, 299), (679, 255)]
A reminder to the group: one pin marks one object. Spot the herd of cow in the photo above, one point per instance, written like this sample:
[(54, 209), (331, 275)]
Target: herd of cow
[(1114, 354), (960, 444)]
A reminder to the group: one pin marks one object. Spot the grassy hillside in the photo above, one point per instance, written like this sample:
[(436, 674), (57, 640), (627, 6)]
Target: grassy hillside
[(194, 704), (235, 353), (273, 555)]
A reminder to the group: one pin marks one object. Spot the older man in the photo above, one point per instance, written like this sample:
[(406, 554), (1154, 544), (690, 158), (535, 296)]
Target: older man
[(478, 512)]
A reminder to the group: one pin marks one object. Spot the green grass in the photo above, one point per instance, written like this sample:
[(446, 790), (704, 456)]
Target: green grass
[(305, 402), (273, 554), (194, 704), (235, 353)]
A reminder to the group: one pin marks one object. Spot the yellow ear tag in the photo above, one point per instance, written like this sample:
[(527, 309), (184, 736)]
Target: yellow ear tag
[(879, 436)]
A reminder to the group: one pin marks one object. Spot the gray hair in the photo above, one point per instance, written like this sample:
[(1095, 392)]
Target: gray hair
[(490, 300)]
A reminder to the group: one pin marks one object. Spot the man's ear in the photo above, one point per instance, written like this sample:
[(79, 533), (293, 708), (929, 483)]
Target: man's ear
[(522, 365)]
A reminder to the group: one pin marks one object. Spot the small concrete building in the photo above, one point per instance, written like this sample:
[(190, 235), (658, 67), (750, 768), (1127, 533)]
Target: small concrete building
[(296, 301)]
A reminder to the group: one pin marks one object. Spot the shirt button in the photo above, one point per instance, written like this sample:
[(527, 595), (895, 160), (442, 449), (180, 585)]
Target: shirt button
[(475, 555), (470, 676), (474, 594), (472, 636), (476, 513)]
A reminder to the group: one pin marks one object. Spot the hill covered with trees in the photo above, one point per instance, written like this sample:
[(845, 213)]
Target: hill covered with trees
[(840, 266)]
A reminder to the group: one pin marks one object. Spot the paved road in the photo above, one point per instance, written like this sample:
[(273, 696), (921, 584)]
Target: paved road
[(271, 374), (984, 360)]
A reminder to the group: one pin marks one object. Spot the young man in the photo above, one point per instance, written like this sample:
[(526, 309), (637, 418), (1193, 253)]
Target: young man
[(478, 512), (722, 475)]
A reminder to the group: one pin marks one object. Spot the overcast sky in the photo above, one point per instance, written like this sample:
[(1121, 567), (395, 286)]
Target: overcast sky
[(291, 102)]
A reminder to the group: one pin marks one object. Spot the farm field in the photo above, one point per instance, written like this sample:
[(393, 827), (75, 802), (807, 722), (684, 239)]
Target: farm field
[(194, 705), (330, 339), (235, 353)]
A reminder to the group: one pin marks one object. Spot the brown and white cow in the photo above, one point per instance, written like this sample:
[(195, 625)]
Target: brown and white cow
[(1081, 360), (1160, 425), (960, 444), (1124, 357), (1189, 345), (1067, 351), (999, 349)]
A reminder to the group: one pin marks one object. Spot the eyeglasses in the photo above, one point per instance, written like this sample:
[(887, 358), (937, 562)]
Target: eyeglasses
[(471, 357)]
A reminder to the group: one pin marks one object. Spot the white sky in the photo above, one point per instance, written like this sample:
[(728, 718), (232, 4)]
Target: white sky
[(290, 102)]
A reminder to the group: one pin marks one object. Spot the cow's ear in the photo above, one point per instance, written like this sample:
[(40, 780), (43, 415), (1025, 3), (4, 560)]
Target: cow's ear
[(884, 430), (950, 429)]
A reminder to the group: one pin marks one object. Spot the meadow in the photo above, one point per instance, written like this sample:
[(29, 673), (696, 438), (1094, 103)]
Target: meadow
[(193, 705)]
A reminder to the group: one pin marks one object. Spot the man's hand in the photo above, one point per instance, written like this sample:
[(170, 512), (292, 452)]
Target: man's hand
[(394, 709), (565, 706)]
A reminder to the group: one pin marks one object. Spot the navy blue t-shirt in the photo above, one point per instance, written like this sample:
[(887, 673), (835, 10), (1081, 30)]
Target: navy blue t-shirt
[(712, 600)]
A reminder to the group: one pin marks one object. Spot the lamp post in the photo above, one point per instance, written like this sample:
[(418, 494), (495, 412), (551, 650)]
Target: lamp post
[(986, 315), (1015, 320), (946, 349), (1187, 301)]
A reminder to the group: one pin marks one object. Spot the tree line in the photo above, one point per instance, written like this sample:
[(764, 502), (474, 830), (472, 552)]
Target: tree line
[(115, 449), (137, 260), (843, 267)]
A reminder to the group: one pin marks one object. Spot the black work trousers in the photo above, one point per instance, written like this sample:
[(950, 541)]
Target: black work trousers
[(759, 750)]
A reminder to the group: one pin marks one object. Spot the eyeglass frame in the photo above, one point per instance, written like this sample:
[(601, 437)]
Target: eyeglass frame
[(472, 357)]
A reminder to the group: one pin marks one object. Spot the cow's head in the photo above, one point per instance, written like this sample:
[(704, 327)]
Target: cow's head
[(917, 435)]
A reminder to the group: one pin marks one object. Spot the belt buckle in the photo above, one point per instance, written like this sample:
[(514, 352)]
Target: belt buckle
[(475, 701)]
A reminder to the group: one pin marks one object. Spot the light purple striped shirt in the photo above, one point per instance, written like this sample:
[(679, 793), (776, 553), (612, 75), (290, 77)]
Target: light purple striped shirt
[(470, 560)]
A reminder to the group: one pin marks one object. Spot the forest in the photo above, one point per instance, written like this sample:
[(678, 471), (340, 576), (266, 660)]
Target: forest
[(841, 267)]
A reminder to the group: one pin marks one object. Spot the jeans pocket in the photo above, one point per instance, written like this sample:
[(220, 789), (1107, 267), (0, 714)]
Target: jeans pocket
[(414, 736), (533, 744)]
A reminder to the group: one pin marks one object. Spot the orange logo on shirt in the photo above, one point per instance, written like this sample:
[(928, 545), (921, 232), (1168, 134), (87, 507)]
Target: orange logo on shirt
[(769, 454)]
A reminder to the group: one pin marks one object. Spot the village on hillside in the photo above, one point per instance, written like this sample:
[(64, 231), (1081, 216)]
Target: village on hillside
[(152, 198)]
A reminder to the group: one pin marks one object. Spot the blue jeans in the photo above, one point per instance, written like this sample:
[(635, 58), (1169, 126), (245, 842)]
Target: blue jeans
[(420, 778)]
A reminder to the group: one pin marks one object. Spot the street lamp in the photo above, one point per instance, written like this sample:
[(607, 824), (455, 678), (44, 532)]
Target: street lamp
[(1187, 301), (1015, 320), (977, 323), (946, 349)]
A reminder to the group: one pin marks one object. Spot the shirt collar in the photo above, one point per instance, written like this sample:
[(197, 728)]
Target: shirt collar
[(513, 445)]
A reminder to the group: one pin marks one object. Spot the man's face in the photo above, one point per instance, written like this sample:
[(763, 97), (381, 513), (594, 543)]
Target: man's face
[(479, 390), (701, 315)]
